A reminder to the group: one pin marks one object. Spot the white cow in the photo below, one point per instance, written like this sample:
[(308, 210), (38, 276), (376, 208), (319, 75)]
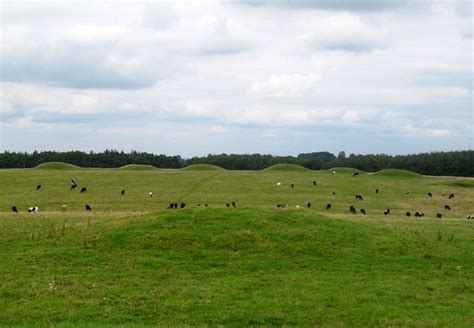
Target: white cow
[(150, 194), (278, 184), (33, 209)]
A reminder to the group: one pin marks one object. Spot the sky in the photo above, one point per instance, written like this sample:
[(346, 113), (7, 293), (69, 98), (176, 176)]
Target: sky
[(279, 77)]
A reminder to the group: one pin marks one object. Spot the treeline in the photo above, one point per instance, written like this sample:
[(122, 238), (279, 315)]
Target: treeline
[(456, 163)]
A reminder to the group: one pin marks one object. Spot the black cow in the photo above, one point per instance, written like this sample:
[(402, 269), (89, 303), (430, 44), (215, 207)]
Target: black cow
[(314, 183), (386, 212), (14, 209), (88, 207), (328, 206), (234, 205), (227, 205), (83, 189), (359, 197), (292, 185), (334, 193), (175, 205), (447, 207), (182, 205), (419, 214), (171, 205), (408, 213), (439, 215), (430, 194), (355, 173), (308, 205), (73, 186), (376, 191), (123, 192), (38, 187), (407, 193), (362, 211), (352, 209), (451, 196), (282, 205), (205, 205)]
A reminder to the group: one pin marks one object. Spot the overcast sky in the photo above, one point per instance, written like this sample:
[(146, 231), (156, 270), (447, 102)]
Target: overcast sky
[(280, 77)]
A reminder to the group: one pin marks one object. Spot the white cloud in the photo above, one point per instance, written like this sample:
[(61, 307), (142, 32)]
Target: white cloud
[(282, 85)]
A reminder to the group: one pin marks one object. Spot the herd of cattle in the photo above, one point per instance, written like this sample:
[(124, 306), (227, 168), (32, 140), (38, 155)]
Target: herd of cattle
[(175, 205)]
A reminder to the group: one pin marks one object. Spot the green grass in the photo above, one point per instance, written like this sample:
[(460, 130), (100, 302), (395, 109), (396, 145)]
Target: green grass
[(131, 262)]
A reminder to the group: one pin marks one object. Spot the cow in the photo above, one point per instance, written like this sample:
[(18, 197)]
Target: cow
[(451, 196), (88, 207), (376, 191), (150, 194), (14, 209), (315, 183), (447, 207), (227, 205), (292, 186), (362, 211), (419, 214), (83, 189), (171, 205), (38, 187), (333, 172), (63, 207), (328, 206), (122, 192), (308, 205), (469, 217), (386, 212), (359, 197), (355, 174), (73, 186), (407, 193), (334, 193), (430, 194), (182, 205), (33, 209), (234, 205), (439, 215), (278, 184), (282, 205), (408, 213), (352, 209)]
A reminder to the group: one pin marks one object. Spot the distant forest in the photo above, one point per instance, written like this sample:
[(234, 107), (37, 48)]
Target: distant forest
[(456, 163)]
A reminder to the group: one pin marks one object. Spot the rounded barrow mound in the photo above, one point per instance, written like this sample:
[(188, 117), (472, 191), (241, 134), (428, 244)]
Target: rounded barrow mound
[(57, 166)]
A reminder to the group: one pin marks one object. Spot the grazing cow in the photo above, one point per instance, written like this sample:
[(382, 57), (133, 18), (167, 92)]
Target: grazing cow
[(297, 206), (171, 205), (407, 193), (362, 211), (63, 207), (358, 197), (88, 207), (73, 186), (376, 191), (227, 205), (439, 216), (150, 194), (408, 213), (292, 185), (469, 217), (33, 209), (282, 205), (352, 209), (386, 212), (430, 194), (308, 205), (182, 205), (314, 183), (355, 174), (447, 207), (419, 214), (38, 187), (278, 184), (451, 196), (83, 189), (334, 193), (205, 205), (14, 209), (333, 172), (328, 206), (122, 192), (199, 205), (234, 205)]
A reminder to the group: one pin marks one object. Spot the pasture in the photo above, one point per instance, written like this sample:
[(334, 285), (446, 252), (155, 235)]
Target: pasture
[(133, 262)]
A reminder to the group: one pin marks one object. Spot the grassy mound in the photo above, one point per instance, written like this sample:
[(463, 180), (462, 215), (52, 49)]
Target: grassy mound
[(202, 167), (348, 170), (397, 173), (221, 267), (137, 167), (286, 168), (57, 166)]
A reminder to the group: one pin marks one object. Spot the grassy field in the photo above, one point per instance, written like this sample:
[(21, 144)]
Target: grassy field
[(132, 262)]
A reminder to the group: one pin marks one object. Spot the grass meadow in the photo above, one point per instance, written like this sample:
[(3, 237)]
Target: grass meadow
[(133, 262)]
